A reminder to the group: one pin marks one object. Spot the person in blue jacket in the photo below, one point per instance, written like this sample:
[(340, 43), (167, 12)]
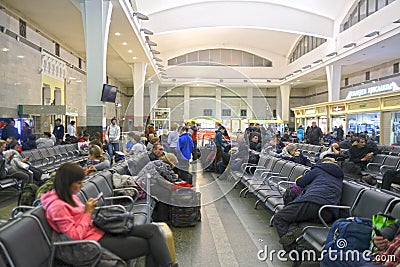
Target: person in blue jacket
[(323, 186), (300, 133), (184, 148)]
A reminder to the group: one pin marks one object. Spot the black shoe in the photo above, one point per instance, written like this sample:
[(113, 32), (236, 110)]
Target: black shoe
[(291, 237)]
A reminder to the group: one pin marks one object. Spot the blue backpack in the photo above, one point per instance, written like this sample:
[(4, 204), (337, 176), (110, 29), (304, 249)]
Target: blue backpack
[(352, 233)]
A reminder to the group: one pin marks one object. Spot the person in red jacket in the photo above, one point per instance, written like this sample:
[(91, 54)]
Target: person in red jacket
[(67, 214)]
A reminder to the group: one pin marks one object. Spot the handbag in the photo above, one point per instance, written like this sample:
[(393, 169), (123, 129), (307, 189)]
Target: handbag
[(113, 219), (83, 253), (291, 193)]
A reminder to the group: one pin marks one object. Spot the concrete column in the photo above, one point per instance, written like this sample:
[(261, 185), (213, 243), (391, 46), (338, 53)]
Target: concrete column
[(153, 90), (333, 75), (186, 103), (218, 103), (96, 17), (249, 103), (285, 95), (139, 73)]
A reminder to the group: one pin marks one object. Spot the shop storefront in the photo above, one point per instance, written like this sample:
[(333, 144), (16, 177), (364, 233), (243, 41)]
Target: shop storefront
[(379, 115)]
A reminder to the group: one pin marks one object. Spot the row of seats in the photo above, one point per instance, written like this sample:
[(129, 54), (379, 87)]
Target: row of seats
[(272, 176), (47, 159), (389, 150), (50, 158), (26, 239)]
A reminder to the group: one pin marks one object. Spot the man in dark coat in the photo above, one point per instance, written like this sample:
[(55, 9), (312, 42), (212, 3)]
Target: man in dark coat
[(59, 132), (323, 185), (9, 130), (314, 134), (361, 153)]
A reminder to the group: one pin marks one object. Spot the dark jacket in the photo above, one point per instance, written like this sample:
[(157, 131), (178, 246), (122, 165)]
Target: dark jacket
[(59, 132), (314, 134), (218, 138), (8, 131), (356, 154), (339, 134), (323, 185)]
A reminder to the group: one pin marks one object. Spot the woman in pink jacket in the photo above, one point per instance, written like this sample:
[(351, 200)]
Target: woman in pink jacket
[(67, 214)]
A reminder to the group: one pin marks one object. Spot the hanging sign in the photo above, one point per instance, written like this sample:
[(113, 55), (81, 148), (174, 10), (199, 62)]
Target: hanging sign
[(373, 90)]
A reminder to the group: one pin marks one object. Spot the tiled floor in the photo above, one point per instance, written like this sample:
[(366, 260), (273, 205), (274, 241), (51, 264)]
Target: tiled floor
[(231, 233)]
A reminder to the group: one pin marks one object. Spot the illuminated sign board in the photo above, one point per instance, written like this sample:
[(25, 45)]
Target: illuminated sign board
[(338, 108), (310, 111), (373, 90)]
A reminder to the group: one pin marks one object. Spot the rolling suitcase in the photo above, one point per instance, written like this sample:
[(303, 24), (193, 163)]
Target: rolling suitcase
[(185, 207), (169, 238)]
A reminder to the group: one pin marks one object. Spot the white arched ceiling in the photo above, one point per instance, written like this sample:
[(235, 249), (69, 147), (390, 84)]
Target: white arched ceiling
[(329, 9), (260, 15), (272, 45)]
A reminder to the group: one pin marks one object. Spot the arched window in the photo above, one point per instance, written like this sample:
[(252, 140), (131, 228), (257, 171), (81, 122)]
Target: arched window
[(304, 45), (218, 57)]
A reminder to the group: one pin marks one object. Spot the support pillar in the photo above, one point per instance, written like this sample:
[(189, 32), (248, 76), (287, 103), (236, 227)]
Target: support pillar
[(96, 17), (186, 103), (249, 103), (139, 74), (218, 103), (333, 75), (153, 91), (285, 95)]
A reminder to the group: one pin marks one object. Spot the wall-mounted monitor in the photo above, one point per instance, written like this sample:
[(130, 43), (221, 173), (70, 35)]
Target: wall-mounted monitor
[(109, 93)]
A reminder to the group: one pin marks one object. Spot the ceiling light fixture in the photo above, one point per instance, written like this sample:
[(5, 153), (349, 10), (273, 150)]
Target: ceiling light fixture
[(350, 45), (372, 34), (331, 54), (157, 59), (5, 49), (297, 71), (317, 61), (117, 34), (306, 67), (124, 43), (396, 21), (155, 52), (159, 65), (140, 16), (134, 58), (146, 31), (130, 51)]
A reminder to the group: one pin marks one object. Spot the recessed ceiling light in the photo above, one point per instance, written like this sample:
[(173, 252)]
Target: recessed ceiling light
[(20, 56), (124, 43), (331, 54), (117, 34), (291, 83), (372, 34), (197, 84), (298, 80), (78, 81), (72, 78), (5, 49), (317, 61), (350, 45), (134, 58), (130, 51)]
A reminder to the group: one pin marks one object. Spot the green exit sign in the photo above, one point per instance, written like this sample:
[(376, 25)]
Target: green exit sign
[(363, 106)]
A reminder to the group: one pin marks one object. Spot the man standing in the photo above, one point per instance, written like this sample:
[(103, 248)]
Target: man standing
[(184, 148), (314, 134), (58, 132), (9, 130), (339, 133), (113, 133), (194, 129), (71, 130)]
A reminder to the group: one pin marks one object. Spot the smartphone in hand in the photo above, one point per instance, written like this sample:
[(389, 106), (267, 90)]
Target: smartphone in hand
[(99, 195), (377, 232)]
